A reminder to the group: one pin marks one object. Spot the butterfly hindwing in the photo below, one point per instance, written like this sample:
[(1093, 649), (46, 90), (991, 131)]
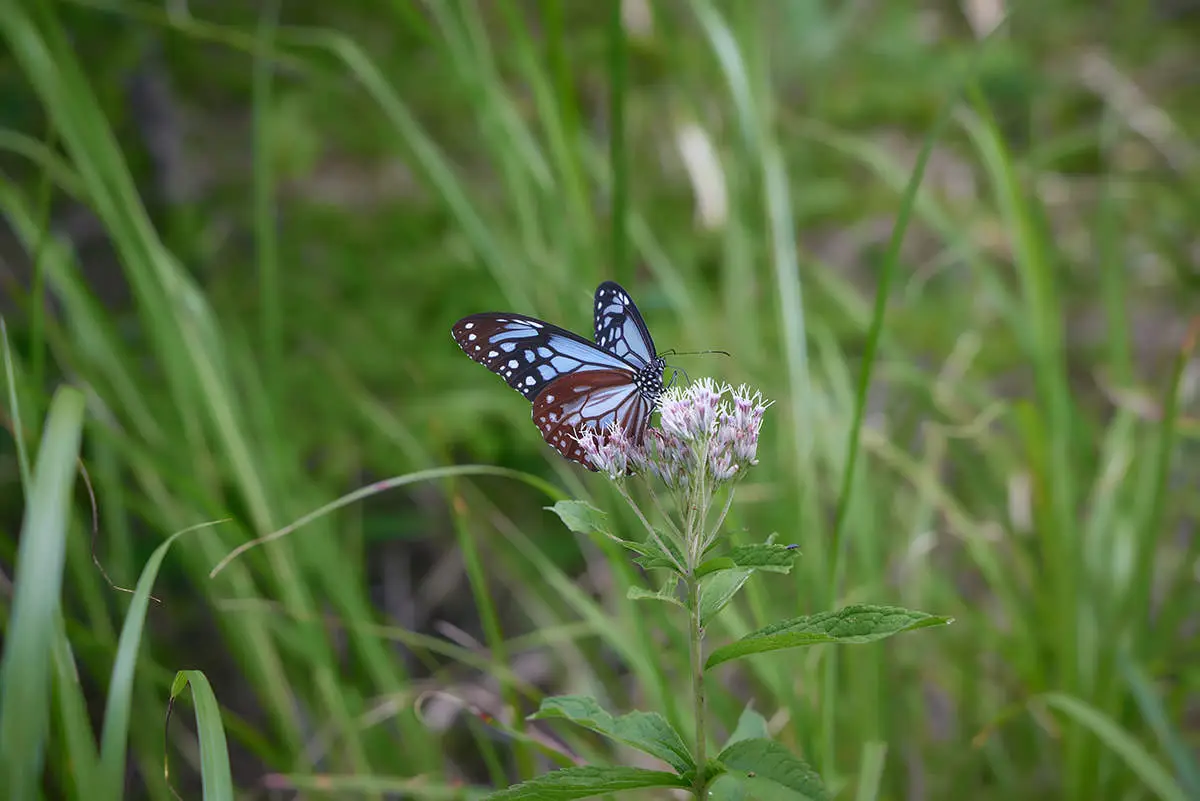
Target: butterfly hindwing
[(529, 353), (593, 400), (619, 326)]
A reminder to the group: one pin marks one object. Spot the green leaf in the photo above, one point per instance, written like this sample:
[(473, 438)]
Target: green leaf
[(854, 624), (765, 556), (760, 762), (583, 782), (646, 731), (215, 777), (582, 517), (667, 593), (728, 787), (718, 589), (713, 565), (654, 557), (750, 725), (723, 576)]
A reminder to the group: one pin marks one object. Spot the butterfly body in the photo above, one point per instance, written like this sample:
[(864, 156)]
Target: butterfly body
[(574, 385)]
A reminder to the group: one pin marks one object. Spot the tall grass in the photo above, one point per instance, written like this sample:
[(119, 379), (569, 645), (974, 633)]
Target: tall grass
[(933, 442)]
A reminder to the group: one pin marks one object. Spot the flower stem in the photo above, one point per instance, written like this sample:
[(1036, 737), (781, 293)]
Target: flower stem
[(649, 528), (696, 642)]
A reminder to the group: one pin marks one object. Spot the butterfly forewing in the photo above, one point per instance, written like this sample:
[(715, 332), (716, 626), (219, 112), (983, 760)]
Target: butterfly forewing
[(619, 326), (529, 353)]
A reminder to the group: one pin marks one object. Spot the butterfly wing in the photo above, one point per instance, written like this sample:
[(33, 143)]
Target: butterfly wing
[(574, 385), (594, 399), (620, 329), (529, 353)]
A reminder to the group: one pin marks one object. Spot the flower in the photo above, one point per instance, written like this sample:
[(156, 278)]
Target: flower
[(609, 450), (668, 457), (692, 412), (745, 422), (707, 431), (708, 434)]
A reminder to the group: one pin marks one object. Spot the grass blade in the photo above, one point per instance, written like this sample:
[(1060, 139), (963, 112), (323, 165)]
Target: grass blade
[(28, 651), (1170, 738), (18, 430), (79, 747), (1135, 756), (120, 687), (618, 71), (214, 754)]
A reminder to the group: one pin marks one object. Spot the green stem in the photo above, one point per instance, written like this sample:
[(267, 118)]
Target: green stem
[(649, 528), (696, 642)]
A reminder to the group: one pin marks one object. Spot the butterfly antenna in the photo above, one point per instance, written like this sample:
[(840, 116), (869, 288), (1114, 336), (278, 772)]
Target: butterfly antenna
[(695, 352)]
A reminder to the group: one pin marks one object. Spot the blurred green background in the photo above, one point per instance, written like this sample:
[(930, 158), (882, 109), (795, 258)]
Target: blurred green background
[(243, 231)]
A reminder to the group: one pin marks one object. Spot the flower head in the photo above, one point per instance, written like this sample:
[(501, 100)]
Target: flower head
[(705, 428), (668, 457), (744, 423), (608, 450), (708, 434), (708, 437)]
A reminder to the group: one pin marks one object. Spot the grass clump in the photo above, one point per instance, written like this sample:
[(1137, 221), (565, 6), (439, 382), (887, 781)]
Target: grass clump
[(958, 264)]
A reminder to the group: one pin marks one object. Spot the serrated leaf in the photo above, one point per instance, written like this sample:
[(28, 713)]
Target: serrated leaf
[(648, 732), (765, 556), (667, 593), (750, 725), (582, 517), (859, 623), (765, 762), (718, 589), (722, 577), (583, 782)]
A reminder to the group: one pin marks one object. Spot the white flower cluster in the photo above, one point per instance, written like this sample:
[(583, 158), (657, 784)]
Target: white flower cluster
[(708, 433)]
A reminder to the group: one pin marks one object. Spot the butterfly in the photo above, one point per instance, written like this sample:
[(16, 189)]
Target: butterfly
[(575, 385)]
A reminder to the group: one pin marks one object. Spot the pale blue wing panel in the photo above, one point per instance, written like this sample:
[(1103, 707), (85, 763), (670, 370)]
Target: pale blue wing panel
[(619, 326), (528, 353)]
